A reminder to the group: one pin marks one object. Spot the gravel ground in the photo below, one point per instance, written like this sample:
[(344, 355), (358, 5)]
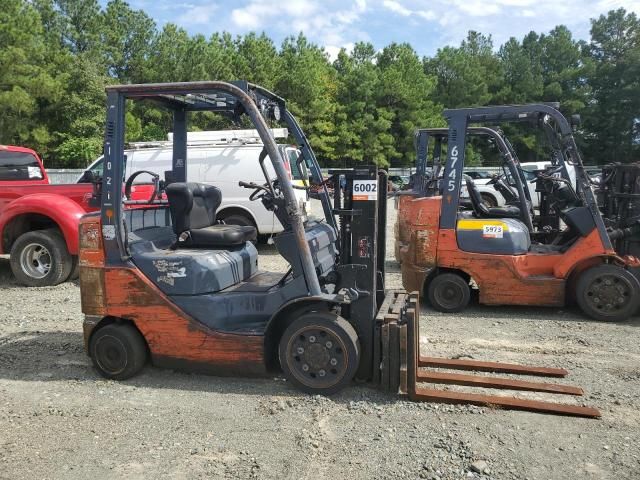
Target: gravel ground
[(58, 419)]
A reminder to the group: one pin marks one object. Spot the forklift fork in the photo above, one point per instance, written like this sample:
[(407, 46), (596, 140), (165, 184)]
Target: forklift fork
[(402, 369)]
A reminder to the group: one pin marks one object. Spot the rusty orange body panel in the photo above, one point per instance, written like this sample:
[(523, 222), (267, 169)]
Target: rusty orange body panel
[(170, 333), (529, 279), (174, 339)]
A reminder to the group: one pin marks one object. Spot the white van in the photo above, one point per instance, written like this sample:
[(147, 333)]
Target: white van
[(222, 159)]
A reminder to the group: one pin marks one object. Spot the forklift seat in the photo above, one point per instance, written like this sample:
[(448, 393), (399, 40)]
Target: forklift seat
[(193, 213), (482, 211)]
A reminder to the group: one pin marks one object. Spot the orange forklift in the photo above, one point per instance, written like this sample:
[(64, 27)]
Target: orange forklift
[(511, 259), (166, 282)]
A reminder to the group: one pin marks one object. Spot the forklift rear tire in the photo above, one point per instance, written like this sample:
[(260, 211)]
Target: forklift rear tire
[(448, 292), (608, 293), (319, 353), (118, 351)]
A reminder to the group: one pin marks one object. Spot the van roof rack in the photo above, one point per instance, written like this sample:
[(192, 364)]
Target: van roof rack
[(214, 137)]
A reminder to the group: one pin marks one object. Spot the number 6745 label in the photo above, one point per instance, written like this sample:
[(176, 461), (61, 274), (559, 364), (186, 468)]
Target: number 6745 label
[(365, 190)]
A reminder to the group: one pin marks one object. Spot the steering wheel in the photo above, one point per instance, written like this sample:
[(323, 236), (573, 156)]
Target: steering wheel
[(260, 190), (156, 184)]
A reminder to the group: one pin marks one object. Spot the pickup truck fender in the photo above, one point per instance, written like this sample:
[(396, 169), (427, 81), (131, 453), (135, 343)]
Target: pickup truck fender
[(64, 212)]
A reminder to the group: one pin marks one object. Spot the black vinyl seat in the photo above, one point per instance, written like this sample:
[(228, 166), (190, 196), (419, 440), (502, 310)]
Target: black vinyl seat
[(482, 211), (193, 213)]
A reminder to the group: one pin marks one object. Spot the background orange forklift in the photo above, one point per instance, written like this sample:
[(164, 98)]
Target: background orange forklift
[(168, 283), (500, 250)]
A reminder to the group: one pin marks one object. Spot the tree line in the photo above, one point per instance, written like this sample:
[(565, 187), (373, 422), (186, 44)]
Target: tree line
[(56, 57)]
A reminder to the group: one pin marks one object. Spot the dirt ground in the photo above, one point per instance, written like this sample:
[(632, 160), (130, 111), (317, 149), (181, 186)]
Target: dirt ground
[(58, 419)]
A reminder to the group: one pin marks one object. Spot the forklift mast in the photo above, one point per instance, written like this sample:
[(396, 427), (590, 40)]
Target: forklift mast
[(360, 203)]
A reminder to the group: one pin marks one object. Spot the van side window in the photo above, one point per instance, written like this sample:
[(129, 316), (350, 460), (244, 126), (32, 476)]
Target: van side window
[(19, 166), (97, 168), (293, 155)]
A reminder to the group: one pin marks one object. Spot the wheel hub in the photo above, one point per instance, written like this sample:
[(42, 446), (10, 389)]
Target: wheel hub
[(35, 260), (317, 357), (448, 294), (111, 354), (609, 293)]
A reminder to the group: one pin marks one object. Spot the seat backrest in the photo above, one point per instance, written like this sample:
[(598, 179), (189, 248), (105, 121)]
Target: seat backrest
[(192, 205), (476, 199)]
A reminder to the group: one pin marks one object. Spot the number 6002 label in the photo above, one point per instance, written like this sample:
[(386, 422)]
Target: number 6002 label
[(365, 190)]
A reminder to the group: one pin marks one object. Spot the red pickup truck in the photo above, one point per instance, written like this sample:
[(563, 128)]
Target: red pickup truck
[(39, 221)]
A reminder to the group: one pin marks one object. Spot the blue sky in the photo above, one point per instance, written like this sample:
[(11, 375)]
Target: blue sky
[(426, 24)]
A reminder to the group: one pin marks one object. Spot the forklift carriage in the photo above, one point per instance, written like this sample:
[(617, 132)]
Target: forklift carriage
[(165, 281)]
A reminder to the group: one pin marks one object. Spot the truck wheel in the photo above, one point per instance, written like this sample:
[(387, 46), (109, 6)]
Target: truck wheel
[(448, 292), (489, 200), (319, 353), (608, 293), (237, 219), (40, 258), (118, 351), (75, 269)]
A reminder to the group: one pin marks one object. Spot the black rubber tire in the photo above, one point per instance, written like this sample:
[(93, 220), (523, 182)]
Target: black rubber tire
[(237, 219), (448, 292), (61, 261), (118, 351), (345, 352), (489, 200), (614, 302), (75, 269)]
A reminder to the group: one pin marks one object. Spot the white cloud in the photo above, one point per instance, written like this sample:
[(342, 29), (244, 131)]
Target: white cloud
[(426, 24), (333, 50), (329, 22), (197, 14), (501, 18), (396, 7)]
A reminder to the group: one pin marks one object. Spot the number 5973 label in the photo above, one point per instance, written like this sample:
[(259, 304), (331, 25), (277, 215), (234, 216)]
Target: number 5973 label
[(492, 231), (365, 190)]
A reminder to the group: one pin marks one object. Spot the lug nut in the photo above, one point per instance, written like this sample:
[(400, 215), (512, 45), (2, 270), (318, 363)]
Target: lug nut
[(328, 344), (300, 350), (312, 339), (305, 367), (322, 373), (333, 362)]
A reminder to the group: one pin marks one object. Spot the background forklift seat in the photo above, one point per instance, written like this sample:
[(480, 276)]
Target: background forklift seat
[(193, 212), (482, 211)]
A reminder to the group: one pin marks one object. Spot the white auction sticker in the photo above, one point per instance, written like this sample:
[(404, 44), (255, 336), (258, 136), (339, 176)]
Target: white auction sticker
[(492, 231), (365, 190)]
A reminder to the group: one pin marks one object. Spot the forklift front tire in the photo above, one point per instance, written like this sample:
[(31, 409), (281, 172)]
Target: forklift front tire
[(608, 293), (118, 351), (448, 292), (319, 353)]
